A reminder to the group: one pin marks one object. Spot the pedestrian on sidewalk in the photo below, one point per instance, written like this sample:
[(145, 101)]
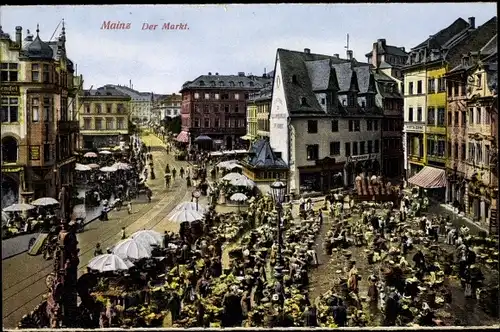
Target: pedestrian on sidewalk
[(124, 235), (129, 208)]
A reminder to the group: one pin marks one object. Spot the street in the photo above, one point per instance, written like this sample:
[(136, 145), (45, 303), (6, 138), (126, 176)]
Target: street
[(23, 276)]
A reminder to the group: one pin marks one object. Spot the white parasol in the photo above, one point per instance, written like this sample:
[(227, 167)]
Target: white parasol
[(108, 169), (242, 181), (90, 155), (223, 164), (19, 207), (232, 176), (131, 249), (5, 218), (108, 263), (121, 166), (105, 152), (148, 237), (238, 197), (45, 201), (93, 166), (233, 166), (191, 206), (185, 215), (82, 168)]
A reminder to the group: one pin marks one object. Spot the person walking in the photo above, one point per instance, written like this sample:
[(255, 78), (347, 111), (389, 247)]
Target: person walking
[(124, 235), (129, 208), (98, 250)]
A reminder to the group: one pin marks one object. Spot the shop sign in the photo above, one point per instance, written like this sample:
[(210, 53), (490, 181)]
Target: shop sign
[(9, 90), (414, 127), (362, 157), (34, 152), (12, 170)]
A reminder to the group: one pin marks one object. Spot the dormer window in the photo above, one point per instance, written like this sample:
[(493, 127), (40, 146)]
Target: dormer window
[(294, 79), (221, 83), (351, 100), (202, 83), (109, 94), (231, 83), (251, 83), (240, 83), (369, 101), (303, 101), (212, 83)]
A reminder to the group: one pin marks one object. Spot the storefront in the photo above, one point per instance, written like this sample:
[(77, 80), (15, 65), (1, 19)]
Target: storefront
[(355, 165), (11, 185), (326, 175)]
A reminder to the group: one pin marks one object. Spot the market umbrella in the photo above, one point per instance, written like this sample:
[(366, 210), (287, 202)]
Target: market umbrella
[(82, 168), (148, 237), (223, 164), (202, 138), (233, 166), (108, 169), (5, 218), (45, 201), (232, 176), (238, 197), (185, 216), (108, 263), (191, 206), (121, 166), (93, 166), (19, 207), (90, 155), (242, 181), (105, 152), (131, 249)]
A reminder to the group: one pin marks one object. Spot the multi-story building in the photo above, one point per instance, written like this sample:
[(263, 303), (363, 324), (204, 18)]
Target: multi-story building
[(472, 137), (387, 62), (39, 127), (325, 119), (215, 105), (141, 104), (168, 106), (104, 118), (425, 97), (258, 111)]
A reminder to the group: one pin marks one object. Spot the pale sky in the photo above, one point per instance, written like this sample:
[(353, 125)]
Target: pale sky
[(225, 39)]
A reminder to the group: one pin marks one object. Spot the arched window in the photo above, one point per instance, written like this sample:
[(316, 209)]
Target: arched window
[(303, 101), (251, 83), (231, 83), (240, 83), (9, 149), (212, 83), (221, 83), (202, 83)]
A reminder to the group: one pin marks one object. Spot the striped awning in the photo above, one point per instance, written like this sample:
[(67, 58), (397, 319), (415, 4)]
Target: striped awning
[(429, 178), (183, 137)]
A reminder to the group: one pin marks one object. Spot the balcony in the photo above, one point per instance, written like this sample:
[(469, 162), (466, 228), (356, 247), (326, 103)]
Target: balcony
[(67, 126)]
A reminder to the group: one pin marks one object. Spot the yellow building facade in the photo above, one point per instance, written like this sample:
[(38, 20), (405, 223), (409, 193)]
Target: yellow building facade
[(104, 118), (251, 134)]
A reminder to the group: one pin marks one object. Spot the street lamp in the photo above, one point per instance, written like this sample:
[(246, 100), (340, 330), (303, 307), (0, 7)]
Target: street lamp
[(278, 191)]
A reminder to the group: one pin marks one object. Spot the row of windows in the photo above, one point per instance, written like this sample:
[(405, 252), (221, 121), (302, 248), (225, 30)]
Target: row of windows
[(99, 123), (228, 123), (120, 108), (231, 83), (476, 116), (476, 152), (358, 148), (216, 96), (436, 85), (354, 125), (216, 108), (40, 73), (10, 151)]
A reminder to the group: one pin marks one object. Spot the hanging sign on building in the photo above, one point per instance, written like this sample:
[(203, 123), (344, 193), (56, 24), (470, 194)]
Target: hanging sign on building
[(34, 152)]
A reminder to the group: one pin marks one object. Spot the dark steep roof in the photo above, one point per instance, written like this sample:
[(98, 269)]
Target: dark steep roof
[(444, 35), (490, 47), (389, 50), (105, 91), (233, 82), (39, 50), (263, 156), (474, 41), (305, 74)]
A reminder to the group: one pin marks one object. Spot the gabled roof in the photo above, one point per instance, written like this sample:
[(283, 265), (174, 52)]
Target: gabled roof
[(491, 46), (263, 156), (389, 50), (383, 82), (440, 38)]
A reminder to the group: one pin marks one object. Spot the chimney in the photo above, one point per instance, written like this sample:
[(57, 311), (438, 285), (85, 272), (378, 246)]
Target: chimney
[(403, 49), (336, 56), (130, 84), (381, 42), (349, 54), (472, 22), (19, 35), (241, 74), (209, 73), (307, 51)]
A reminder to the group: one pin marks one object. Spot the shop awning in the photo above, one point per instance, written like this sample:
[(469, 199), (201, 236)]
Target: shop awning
[(246, 137), (183, 137), (429, 178)]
